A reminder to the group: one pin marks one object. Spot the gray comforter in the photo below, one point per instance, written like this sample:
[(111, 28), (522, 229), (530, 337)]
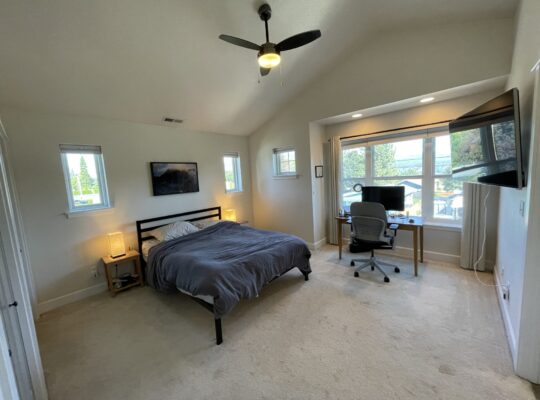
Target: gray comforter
[(227, 261)]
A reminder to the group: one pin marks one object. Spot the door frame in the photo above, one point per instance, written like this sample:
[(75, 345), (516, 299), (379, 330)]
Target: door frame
[(19, 271)]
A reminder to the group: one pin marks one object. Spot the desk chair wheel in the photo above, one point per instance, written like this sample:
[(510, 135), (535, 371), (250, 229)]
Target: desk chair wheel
[(356, 275), (373, 268), (396, 270), (386, 279), (352, 263)]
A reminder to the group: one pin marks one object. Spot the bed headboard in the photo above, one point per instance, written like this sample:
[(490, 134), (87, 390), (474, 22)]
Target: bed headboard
[(146, 225)]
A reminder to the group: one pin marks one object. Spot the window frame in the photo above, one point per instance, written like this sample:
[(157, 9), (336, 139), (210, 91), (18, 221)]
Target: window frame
[(237, 172), (101, 177), (278, 173), (431, 184), (427, 177)]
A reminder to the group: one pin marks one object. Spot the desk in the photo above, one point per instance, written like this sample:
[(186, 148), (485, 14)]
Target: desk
[(416, 227)]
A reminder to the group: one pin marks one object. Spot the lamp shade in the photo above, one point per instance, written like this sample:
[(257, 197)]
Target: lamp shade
[(116, 244), (229, 215)]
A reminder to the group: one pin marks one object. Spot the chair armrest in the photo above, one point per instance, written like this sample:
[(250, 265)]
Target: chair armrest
[(394, 228)]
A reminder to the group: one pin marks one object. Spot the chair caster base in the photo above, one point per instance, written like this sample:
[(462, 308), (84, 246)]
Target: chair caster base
[(396, 270), (352, 263), (386, 279), (356, 275), (373, 268)]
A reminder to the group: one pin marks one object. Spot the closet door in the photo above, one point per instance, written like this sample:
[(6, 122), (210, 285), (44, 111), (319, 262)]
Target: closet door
[(15, 280), (9, 300)]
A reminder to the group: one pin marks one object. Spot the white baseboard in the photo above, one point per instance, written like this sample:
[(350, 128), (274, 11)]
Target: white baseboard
[(505, 316), (317, 245), (71, 297), (407, 252)]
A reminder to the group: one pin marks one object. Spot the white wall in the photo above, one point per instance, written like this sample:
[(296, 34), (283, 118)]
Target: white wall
[(389, 67), (519, 235), (64, 250), (316, 138)]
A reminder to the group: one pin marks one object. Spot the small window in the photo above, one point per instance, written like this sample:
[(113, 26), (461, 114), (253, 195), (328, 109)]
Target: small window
[(233, 175), (84, 174), (284, 162)]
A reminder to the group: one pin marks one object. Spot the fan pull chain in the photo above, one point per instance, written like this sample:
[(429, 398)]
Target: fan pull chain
[(280, 76)]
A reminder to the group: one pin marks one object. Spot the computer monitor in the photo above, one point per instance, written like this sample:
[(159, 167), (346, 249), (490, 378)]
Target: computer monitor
[(391, 197)]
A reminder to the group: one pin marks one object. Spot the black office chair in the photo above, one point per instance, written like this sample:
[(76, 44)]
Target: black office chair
[(369, 232)]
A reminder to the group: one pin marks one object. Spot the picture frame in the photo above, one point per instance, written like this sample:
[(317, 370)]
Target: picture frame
[(318, 171), (174, 178)]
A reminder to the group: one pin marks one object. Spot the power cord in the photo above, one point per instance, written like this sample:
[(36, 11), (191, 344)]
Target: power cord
[(482, 254)]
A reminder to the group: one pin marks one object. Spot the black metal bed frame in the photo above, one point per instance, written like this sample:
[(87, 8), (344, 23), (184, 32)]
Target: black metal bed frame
[(207, 213)]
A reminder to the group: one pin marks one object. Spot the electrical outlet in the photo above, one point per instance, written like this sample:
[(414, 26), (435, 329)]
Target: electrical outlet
[(506, 291), (94, 271), (522, 208)]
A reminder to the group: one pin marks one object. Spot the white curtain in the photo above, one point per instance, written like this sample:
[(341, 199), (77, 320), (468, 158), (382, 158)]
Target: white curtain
[(475, 224), (333, 187)]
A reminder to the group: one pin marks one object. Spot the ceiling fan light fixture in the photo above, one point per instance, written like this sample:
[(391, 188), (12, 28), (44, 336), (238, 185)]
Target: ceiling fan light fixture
[(269, 60)]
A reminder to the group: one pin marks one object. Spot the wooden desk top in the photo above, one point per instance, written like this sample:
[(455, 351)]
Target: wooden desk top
[(417, 221), (130, 254)]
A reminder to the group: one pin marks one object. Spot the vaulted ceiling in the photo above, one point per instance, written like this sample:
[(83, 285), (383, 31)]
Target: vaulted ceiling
[(141, 60)]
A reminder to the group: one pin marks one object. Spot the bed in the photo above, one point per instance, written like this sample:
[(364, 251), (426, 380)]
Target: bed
[(218, 265)]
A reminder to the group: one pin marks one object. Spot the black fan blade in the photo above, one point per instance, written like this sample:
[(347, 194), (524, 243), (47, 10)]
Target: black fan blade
[(265, 71), (240, 42), (298, 40)]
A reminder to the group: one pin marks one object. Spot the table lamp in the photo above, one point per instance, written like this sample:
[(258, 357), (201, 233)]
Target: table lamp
[(229, 215), (116, 244)]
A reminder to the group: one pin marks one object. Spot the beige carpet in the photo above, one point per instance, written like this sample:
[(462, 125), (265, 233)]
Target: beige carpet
[(438, 336)]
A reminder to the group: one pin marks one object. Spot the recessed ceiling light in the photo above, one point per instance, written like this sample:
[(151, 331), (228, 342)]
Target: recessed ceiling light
[(427, 99), (356, 115)]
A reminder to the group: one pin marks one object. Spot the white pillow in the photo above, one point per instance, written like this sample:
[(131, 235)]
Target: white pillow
[(206, 224), (173, 231), (180, 228)]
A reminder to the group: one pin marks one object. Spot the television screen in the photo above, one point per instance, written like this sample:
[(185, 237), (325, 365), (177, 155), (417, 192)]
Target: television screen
[(391, 197), (486, 143), (174, 177)]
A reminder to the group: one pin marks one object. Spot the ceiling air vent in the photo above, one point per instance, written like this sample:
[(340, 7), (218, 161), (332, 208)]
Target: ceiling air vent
[(172, 120)]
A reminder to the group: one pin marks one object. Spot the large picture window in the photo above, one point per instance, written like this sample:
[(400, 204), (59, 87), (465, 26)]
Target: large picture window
[(421, 164), (84, 174)]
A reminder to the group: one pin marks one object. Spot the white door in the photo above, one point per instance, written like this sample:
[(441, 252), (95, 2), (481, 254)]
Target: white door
[(15, 299), (13, 369)]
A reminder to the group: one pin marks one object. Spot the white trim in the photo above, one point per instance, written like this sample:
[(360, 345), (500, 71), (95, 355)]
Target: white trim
[(317, 245), (512, 344), (77, 295), (92, 212), (407, 252)]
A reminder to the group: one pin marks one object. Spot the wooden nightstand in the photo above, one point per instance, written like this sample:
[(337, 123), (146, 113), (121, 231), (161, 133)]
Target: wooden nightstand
[(110, 262)]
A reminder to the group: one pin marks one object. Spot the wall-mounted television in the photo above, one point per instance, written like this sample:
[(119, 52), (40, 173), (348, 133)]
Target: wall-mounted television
[(486, 143), (174, 177)]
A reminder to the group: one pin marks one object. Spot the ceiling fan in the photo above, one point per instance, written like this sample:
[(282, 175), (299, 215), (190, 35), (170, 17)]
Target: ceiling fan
[(268, 55)]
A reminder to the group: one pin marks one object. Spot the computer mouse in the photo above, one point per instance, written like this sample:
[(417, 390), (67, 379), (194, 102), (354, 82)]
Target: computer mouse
[(411, 221)]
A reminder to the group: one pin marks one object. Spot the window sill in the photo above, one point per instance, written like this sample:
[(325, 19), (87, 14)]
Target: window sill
[(91, 212), (295, 176), (441, 226)]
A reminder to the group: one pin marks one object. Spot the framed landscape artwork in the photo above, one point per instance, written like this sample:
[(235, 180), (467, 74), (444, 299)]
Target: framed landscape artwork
[(174, 177)]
